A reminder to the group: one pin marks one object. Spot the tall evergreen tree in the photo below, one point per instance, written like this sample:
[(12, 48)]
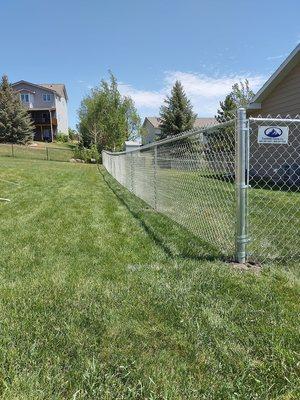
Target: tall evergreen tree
[(15, 123), (176, 114)]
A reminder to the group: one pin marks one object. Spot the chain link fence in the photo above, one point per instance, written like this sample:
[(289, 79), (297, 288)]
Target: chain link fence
[(235, 184), (273, 196), (189, 178), (36, 152)]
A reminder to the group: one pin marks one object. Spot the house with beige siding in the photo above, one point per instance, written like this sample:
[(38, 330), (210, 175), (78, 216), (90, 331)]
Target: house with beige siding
[(279, 96), (47, 104), (281, 93), (151, 127)]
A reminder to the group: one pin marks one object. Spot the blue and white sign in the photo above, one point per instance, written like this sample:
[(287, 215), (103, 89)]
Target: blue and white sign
[(273, 134)]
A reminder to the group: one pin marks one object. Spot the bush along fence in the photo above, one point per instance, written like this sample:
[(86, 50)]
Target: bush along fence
[(36, 153), (235, 184)]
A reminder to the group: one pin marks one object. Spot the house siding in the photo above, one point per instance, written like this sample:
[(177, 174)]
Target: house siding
[(37, 97), (266, 159), (152, 133), (284, 99), (62, 115)]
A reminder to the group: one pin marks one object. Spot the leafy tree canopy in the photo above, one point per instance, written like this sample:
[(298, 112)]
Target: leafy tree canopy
[(106, 118), (240, 96)]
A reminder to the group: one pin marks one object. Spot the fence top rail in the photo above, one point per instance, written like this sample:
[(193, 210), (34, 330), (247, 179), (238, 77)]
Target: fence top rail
[(180, 136), (270, 119), (36, 147)]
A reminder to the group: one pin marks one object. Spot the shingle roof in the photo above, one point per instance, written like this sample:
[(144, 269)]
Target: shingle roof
[(199, 122), (154, 121)]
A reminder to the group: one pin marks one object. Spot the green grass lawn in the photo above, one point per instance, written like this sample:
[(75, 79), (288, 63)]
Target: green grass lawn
[(43, 151), (103, 298)]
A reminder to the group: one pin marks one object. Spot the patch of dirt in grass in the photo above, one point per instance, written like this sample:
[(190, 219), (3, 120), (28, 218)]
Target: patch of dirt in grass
[(247, 267)]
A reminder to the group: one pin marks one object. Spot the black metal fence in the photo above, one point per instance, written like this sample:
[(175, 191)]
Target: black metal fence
[(48, 153)]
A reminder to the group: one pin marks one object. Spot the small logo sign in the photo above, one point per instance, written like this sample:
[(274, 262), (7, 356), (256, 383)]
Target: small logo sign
[(273, 134)]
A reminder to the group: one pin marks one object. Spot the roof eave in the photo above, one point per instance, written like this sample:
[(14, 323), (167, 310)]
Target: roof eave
[(287, 65), (35, 85)]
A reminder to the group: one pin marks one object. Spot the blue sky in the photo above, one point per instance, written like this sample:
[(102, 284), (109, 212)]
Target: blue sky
[(208, 45)]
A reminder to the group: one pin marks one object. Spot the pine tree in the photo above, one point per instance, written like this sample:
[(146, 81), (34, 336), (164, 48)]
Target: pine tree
[(177, 114), (15, 123)]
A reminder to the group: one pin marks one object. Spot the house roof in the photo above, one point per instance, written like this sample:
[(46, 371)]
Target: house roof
[(288, 64), (155, 121), (199, 122), (58, 88)]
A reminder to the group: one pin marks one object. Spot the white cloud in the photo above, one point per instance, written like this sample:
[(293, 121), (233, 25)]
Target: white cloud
[(143, 98), (276, 57), (204, 91)]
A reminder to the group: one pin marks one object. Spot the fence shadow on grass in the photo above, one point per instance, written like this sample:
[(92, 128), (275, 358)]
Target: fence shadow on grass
[(174, 239)]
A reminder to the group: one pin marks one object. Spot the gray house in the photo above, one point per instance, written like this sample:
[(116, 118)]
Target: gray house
[(151, 127), (47, 105)]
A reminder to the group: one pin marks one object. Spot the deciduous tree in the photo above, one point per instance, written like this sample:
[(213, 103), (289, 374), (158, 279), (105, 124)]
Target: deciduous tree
[(106, 118)]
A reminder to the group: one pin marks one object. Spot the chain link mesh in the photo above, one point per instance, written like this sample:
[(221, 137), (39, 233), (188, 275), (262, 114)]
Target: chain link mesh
[(189, 178), (274, 198)]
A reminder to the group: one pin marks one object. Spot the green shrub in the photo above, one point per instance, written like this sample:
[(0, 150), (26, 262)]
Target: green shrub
[(73, 134), (62, 137), (87, 155)]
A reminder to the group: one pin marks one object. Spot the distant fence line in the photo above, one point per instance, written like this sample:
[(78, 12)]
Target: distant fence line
[(36, 152), (235, 185)]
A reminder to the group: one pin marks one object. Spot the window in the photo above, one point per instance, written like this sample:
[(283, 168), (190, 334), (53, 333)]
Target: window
[(47, 97), (24, 97)]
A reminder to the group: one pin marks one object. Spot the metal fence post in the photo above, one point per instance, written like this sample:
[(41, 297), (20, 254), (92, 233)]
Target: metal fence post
[(47, 153), (12, 150), (242, 136), (155, 177)]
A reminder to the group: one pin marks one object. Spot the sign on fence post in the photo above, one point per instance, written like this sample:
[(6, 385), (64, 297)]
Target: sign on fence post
[(242, 137), (273, 134)]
